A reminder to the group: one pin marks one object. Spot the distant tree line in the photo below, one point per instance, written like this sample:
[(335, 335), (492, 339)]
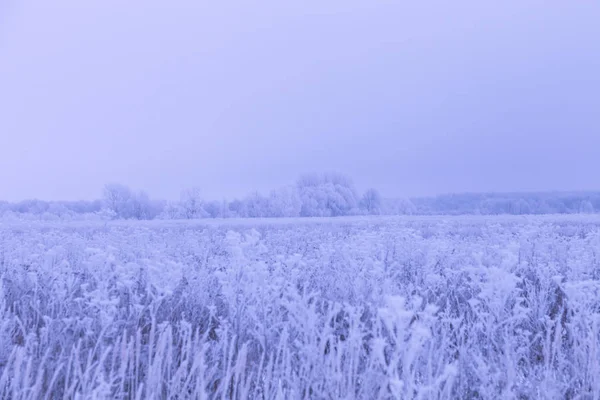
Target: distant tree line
[(313, 195), (509, 203)]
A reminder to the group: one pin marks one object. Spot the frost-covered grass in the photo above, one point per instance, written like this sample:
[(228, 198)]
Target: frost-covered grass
[(375, 308)]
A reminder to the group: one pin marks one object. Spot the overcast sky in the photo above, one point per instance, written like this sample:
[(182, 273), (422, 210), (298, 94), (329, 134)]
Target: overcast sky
[(412, 97)]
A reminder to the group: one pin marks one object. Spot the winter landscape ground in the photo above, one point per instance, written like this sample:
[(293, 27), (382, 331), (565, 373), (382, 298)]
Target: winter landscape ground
[(473, 307)]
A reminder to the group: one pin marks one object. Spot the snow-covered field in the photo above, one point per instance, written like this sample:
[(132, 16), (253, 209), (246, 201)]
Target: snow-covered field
[(348, 308)]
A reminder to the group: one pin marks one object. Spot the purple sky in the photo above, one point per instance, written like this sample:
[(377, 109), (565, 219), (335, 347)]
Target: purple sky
[(412, 97)]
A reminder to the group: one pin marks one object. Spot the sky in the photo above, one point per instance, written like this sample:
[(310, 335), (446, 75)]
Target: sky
[(411, 97)]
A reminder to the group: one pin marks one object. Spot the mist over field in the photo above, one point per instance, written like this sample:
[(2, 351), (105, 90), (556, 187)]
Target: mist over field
[(312, 200), (414, 99)]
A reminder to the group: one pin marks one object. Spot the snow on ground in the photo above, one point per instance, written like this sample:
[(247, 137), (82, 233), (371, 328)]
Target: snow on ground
[(345, 308)]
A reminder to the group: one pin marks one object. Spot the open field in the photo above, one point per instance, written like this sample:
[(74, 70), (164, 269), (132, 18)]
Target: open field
[(345, 308)]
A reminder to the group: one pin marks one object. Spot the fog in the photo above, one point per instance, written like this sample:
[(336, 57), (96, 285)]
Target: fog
[(414, 99)]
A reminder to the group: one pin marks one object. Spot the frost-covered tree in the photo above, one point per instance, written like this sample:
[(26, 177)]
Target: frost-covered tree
[(237, 208), (225, 209), (586, 207), (216, 209), (127, 204), (399, 206), (370, 202), (142, 207), (117, 198), (31, 206), (284, 202), (171, 210), (192, 204), (256, 206), (327, 195)]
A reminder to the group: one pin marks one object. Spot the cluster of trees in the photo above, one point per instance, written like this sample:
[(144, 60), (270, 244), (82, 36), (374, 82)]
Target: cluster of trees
[(123, 203), (51, 210), (118, 202), (314, 195), (327, 195)]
